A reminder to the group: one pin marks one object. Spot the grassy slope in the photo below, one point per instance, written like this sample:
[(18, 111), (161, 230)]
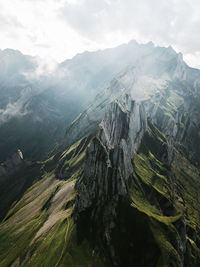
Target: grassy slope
[(167, 200), (38, 229)]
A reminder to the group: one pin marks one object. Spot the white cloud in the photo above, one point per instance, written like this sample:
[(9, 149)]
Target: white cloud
[(59, 29), (16, 109)]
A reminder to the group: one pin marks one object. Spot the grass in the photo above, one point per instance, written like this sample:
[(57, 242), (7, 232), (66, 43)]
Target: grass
[(57, 245), (153, 192), (15, 245), (59, 248), (188, 182)]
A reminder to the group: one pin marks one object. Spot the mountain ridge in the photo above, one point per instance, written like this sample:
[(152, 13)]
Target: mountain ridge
[(123, 187)]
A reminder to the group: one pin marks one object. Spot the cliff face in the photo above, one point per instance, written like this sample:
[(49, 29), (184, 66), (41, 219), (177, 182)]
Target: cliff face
[(124, 189), (109, 156), (11, 164)]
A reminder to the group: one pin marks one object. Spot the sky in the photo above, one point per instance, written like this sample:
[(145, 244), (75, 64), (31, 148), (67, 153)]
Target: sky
[(59, 29)]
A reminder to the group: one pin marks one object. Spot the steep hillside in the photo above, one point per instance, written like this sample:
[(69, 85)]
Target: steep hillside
[(124, 188)]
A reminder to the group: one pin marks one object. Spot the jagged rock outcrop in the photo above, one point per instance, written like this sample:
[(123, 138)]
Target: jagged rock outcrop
[(12, 164), (110, 152), (151, 76)]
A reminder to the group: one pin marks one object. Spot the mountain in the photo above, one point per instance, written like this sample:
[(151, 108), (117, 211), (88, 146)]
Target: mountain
[(123, 187), (38, 103)]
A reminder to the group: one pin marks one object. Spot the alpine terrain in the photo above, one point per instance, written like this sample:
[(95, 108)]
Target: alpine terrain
[(122, 186)]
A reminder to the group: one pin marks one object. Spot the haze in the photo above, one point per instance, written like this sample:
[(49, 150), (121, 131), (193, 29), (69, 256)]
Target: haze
[(59, 29)]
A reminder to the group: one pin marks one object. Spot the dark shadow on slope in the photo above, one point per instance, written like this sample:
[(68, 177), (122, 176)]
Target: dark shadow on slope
[(15, 185), (131, 242)]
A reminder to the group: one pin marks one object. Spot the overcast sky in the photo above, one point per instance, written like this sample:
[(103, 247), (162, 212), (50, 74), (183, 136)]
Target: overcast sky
[(59, 29)]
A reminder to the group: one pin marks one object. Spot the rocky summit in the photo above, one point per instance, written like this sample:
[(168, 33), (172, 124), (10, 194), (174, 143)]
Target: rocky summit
[(122, 187)]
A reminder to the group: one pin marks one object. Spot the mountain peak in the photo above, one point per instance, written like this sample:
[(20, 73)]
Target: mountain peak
[(170, 48), (11, 52), (151, 44)]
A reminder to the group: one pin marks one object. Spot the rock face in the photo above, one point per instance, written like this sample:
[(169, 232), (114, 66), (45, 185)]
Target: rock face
[(150, 76), (11, 165), (113, 147)]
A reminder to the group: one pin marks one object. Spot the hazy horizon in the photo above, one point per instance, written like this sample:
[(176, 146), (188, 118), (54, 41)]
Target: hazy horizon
[(58, 30)]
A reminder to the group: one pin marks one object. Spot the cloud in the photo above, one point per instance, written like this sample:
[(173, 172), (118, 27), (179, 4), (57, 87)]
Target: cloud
[(62, 28), (17, 108), (43, 68), (7, 22), (171, 22)]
